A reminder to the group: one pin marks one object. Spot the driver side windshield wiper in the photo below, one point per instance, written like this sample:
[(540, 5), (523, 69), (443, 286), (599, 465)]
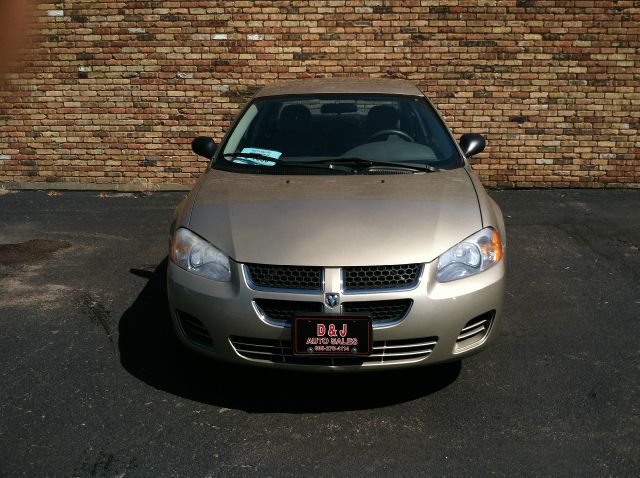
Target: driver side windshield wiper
[(240, 154), (269, 161)]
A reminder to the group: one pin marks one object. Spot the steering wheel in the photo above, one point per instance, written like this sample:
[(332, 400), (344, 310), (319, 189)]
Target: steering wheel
[(387, 132)]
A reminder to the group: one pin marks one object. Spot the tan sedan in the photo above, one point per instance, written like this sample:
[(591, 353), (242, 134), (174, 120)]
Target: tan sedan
[(339, 226)]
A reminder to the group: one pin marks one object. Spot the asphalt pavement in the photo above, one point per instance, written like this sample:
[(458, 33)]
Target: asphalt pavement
[(92, 382)]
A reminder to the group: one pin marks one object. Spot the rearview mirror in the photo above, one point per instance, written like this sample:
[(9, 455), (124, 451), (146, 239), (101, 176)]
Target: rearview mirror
[(338, 108), (204, 146), (472, 143)]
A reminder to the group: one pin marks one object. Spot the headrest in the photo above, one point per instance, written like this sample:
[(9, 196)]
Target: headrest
[(295, 118), (382, 117)]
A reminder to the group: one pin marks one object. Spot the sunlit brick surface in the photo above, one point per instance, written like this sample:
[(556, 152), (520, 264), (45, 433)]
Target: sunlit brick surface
[(115, 90)]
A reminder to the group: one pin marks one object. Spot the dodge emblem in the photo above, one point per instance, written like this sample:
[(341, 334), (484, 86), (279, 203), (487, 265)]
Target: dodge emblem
[(332, 299)]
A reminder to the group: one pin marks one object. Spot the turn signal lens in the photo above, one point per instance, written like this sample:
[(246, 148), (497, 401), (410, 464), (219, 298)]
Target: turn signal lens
[(497, 245)]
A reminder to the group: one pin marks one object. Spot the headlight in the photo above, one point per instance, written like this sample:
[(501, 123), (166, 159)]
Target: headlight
[(196, 255), (475, 254)]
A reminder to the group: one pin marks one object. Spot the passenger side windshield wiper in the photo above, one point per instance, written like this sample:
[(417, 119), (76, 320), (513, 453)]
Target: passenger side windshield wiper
[(361, 164)]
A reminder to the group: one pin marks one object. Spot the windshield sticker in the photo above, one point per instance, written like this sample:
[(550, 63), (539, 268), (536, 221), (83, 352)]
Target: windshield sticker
[(266, 153)]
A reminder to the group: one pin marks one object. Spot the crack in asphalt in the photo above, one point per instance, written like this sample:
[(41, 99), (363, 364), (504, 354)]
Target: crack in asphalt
[(572, 230), (100, 314)]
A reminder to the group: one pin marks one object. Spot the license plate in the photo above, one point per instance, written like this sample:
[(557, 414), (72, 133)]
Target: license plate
[(342, 335)]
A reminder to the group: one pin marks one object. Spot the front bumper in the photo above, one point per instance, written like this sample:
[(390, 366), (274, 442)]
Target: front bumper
[(431, 332)]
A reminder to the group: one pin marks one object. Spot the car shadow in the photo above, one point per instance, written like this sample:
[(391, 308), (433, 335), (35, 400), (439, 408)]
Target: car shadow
[(150, 351)]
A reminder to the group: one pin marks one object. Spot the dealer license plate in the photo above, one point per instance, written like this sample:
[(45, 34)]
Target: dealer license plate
[(340, 335)]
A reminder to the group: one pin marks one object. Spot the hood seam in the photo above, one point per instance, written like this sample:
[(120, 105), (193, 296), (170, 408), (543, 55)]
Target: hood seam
[(475, 190)]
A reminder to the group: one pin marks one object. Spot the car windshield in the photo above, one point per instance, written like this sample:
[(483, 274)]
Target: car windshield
[(310, 131)]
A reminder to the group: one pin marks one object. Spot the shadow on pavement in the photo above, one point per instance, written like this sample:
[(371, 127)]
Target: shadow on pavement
[(150, 351)]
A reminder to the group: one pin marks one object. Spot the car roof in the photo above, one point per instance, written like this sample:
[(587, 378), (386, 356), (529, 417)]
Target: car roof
[(340, 86)]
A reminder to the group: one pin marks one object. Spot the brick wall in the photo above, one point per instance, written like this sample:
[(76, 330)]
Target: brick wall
[(115, 90)]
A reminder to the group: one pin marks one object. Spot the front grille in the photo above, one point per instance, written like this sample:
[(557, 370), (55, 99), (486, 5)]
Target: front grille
[(285, 277), (283, 311), (474, 331), (399, 276), (380, 311), (383, 352), (194, 329)]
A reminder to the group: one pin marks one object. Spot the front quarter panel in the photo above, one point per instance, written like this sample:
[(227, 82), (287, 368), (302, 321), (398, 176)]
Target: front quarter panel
[(182, 214), (489, 209)]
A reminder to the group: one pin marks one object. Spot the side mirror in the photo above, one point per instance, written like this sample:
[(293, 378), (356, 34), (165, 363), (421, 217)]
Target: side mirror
[(204, 146), (472, 143)]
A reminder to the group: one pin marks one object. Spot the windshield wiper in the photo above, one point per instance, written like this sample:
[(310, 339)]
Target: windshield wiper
[(345, 164), (279, 163), (365, 164), (239, 154)]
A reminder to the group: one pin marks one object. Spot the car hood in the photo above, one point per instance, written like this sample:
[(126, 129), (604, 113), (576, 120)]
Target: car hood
[(335, 220)]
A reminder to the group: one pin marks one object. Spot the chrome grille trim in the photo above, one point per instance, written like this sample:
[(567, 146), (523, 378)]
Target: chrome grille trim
[(383, 352), (344, 288), (422, 344), (262, 309), (475, 332), (401, 306)]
